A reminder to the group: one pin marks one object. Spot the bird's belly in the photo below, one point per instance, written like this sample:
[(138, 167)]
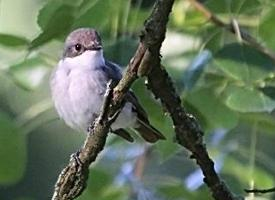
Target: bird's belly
[(85, 104), (78, 99)]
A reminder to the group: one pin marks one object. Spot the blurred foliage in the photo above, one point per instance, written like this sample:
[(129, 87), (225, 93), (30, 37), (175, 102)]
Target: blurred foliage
[(227, 85)]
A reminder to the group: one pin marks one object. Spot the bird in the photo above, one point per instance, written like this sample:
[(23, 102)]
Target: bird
[(78, 84)]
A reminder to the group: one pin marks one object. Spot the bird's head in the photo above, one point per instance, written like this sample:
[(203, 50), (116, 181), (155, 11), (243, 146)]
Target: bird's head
[(81, 40)]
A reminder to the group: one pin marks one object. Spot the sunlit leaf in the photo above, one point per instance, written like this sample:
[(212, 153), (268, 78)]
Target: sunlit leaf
[(211, 110), (213, 39), (248, 100), (136, 19), (239, 7), (12, 40), (50, 8), (168, 149), (244, 63), (46, 13), (13, 152), (266, 30), (94, 17), (57, 25)]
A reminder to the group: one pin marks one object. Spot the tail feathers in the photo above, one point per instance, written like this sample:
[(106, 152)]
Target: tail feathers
[(124, 134), (148, 132)]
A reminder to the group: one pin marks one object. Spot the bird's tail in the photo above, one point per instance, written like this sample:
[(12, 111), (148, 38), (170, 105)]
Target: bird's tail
[(148, 132)]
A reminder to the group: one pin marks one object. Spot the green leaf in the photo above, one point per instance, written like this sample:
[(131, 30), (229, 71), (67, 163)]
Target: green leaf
[(236, 168), (248, 100), (158, 119), (49, 10), (176, 191), (210, 110), (105, 16), (196, 68), (100, 185), (244, 63), (12, 40), (24, 198), (13, 152), (266, 28), (98, 180), (57, 25), (167, 149), (225, 6), (94, 15), (265, 122), (29, 73), (122, 50), (214, 38)]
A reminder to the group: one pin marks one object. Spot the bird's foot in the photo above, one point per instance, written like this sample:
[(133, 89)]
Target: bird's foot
[(75, 158)]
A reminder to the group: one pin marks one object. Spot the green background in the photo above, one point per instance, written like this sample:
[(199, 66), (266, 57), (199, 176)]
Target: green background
[(227, 85)]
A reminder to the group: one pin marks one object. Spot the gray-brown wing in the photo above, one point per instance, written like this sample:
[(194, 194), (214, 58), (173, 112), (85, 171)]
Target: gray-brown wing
[(148, 132), (145, 129), (141, 113), (114, 72)]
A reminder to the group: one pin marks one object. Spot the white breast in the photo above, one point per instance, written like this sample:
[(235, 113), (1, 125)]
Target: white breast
[(78, 87)]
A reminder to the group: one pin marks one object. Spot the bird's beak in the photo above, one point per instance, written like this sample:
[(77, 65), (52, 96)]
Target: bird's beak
[(95, 47)]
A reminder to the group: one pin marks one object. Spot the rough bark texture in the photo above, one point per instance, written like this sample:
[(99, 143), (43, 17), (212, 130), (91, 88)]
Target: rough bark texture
[(146, 62)]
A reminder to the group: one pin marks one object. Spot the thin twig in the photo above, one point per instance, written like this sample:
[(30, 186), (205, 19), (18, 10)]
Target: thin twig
[(141, 162), (262, 191), (245, 36)]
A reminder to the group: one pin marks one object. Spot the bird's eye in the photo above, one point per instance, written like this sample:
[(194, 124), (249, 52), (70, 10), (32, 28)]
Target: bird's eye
[(78, 47)]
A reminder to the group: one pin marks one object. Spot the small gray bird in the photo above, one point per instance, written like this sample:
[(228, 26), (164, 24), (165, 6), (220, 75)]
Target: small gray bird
[(79, 82)]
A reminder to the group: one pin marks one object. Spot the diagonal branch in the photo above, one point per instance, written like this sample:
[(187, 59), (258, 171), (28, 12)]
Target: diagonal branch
[(188, 131), (146, 61), (72, 180)]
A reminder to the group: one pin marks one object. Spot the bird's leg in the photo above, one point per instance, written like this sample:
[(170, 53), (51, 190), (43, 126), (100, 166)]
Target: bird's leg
[(75, 157)]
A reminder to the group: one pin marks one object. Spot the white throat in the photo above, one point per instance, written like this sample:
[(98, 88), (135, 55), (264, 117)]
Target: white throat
[(88, 59)]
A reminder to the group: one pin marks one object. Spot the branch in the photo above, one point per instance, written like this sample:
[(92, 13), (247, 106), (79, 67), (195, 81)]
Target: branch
[(141, 161), (188, 131), (233, 28), (261, 191), (146, 61), (73, 178)]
